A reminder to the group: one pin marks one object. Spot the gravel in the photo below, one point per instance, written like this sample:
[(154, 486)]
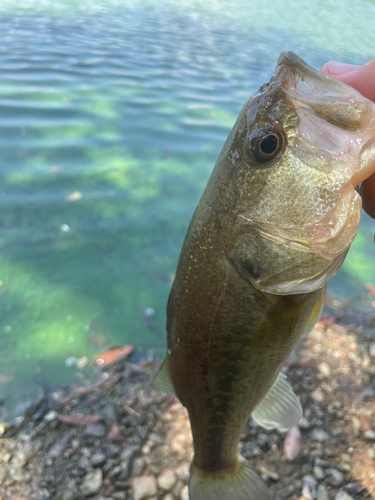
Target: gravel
[(127, 442)]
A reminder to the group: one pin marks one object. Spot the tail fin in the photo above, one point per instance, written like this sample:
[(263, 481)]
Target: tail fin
[(243, 483)]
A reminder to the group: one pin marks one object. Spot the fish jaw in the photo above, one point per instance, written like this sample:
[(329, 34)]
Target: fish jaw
[(302, 212)]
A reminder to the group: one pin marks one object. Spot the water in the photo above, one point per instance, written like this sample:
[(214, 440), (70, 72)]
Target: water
[(111, 119)]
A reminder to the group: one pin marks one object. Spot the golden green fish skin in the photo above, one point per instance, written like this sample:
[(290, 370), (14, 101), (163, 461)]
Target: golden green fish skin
[(227, 342), (283, 226)]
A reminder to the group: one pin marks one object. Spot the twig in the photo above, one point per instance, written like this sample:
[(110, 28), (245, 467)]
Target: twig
[(30, 412), (82, 391)]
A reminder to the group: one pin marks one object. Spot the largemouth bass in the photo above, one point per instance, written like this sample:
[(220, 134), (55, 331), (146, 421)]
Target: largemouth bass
[(275, 222)]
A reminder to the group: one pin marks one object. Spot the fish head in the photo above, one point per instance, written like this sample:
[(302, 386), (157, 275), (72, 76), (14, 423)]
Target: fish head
[(286, 178)]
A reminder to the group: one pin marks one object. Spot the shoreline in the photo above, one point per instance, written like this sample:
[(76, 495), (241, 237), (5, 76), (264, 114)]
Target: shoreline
[(116, 439)]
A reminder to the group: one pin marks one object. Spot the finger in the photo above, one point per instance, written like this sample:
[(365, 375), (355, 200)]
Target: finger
[(362, 78)]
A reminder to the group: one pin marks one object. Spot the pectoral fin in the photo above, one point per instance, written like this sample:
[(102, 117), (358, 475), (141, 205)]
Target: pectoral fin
[(280, 407), (163, 381)]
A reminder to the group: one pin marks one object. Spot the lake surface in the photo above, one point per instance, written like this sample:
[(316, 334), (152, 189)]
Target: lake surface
[(112, 115)]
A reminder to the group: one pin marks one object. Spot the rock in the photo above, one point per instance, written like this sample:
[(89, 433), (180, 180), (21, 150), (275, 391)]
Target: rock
[(113, 450), (335, 477), (119, 495), (372, 350), (309, 487), (320, 435), (318, 395), (124, 474), (3, 473), (144, 487), (183, 472), (324, 369), (369, 435), (322, 493), (167, 480), (318, 472), (98, 459), (342, 495), (51, 415), (92, 482), (304, 424), (184, 495), (96, 430), (344, 467), (138, 466), (356, 426), (168, 497)]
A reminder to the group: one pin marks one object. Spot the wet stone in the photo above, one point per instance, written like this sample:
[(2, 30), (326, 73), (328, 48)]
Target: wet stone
[(342, 495), (183, 472), (304, 424), (144, 487), (168, 497), (318, 395), (322, 493), (324, 369), (138, 466), (96, 430), (309, 487), (98, 459), (369, 435), (318, 472), (184, 495), (344, 467), (119, 495), (335, 477), (167, 480), (113, 450), (320, 435), (92, 482)]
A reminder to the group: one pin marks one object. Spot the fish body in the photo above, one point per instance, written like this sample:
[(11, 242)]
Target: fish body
[(273, 225)]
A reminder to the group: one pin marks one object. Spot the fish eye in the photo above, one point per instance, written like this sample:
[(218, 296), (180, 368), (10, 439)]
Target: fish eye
[(265, 144)]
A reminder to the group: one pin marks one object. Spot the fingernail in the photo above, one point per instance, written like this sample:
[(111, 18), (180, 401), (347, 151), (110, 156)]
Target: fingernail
[(334, 68)]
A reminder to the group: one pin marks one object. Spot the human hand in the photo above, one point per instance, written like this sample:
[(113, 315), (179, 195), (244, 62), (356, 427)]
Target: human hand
[(362, 78)]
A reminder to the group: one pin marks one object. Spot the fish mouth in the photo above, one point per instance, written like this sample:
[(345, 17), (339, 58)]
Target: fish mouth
[(317, 96)]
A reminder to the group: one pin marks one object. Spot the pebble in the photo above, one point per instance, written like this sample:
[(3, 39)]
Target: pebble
[(320, 435), (98, 459), (342, 495), (119, 495), (183, 472), (167, 480), (372, 350), (51, 415), (304, 424), (318, 395), (369, 435), (356, 426), (92, 482), (168, 497), (309, 487), (322, 493), (184, 495), (324, 369), (96, 430), (138, 466), (144, 487), (113, 450), (318, 472), (344, 467), (335, 477)]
